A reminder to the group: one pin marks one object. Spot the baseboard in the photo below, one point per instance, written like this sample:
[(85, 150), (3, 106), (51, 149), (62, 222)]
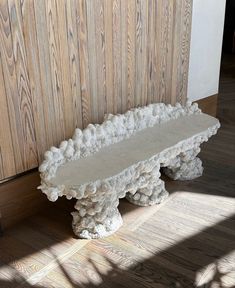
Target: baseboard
[(19, 199), (208, 105)]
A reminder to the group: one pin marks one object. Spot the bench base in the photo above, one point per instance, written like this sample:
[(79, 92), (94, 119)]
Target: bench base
[(97, 214), (92, 229), (186, 166), (149, 196)]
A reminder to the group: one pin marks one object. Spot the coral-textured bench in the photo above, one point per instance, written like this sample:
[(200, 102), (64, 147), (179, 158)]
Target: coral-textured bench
[(122, 158)]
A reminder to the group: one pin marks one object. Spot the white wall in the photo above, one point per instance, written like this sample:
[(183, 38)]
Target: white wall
[(206, 45)]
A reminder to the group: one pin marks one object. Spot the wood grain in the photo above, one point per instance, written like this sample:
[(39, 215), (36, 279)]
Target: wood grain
[(109, 78), (151, 60), (56, 68), (80, 8), (45, 74), (68, 70), (124, 55), (7, 161), (67, 63), (33, 66), (131, 30), (11, 89), (91, 39), (100, 58), (74, 64), (24, 93), (183, 50), (117, 60), (138, 53)]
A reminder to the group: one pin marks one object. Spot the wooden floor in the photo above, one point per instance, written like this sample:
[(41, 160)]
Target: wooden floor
[(188, 241)]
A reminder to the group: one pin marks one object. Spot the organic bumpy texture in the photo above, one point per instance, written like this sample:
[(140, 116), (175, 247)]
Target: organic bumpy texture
[(97, 214)]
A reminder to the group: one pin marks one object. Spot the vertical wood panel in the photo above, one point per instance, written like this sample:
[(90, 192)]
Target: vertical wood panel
[(131, 30), (185, 25), (67, 98), (145, 39), (7, 161), (73, 68), (24, 92), (92, 60), (151, 62), (11, 90), (56, 71), (117, 78), (176, 53), (158, 50), (108, 18), (141, 52), (100, 58), (45, 73), (80, 7), (31, 47), (124, 55), (66, 63), (165, 49), (138, 52), (23, 85)]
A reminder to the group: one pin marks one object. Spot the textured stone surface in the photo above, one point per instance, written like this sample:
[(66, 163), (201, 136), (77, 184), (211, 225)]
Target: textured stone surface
[(185, 166), (97, 214)]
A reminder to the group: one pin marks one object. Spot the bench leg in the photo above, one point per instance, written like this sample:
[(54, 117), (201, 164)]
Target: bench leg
[(151, 192), (186, 166), (97, 216)]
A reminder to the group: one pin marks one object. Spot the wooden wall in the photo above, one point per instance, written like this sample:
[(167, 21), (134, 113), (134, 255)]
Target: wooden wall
[(65, 63)]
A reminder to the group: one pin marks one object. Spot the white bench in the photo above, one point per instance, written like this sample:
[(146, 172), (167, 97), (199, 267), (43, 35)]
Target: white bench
[(122, 158)]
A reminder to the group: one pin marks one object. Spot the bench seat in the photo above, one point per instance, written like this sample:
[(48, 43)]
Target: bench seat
[(112, 160), (98, 173)]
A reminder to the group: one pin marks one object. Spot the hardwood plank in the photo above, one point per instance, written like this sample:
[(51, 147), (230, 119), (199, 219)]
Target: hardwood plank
[(165, 44), (51, 265), (144, 40), (157, 52), (177, 34), (56, 72), (12, 247), (124, 53), (81, 10), (45, 73), (151, 69), (100, 58), (137, 263), (92, 60), (10, 82), (184, 49), (117, 77), (138, 53), (74, 64), (24, 93), (131, 24), (7, 160), (64, 62), (141, 52), (108, 18), (33, 66)]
